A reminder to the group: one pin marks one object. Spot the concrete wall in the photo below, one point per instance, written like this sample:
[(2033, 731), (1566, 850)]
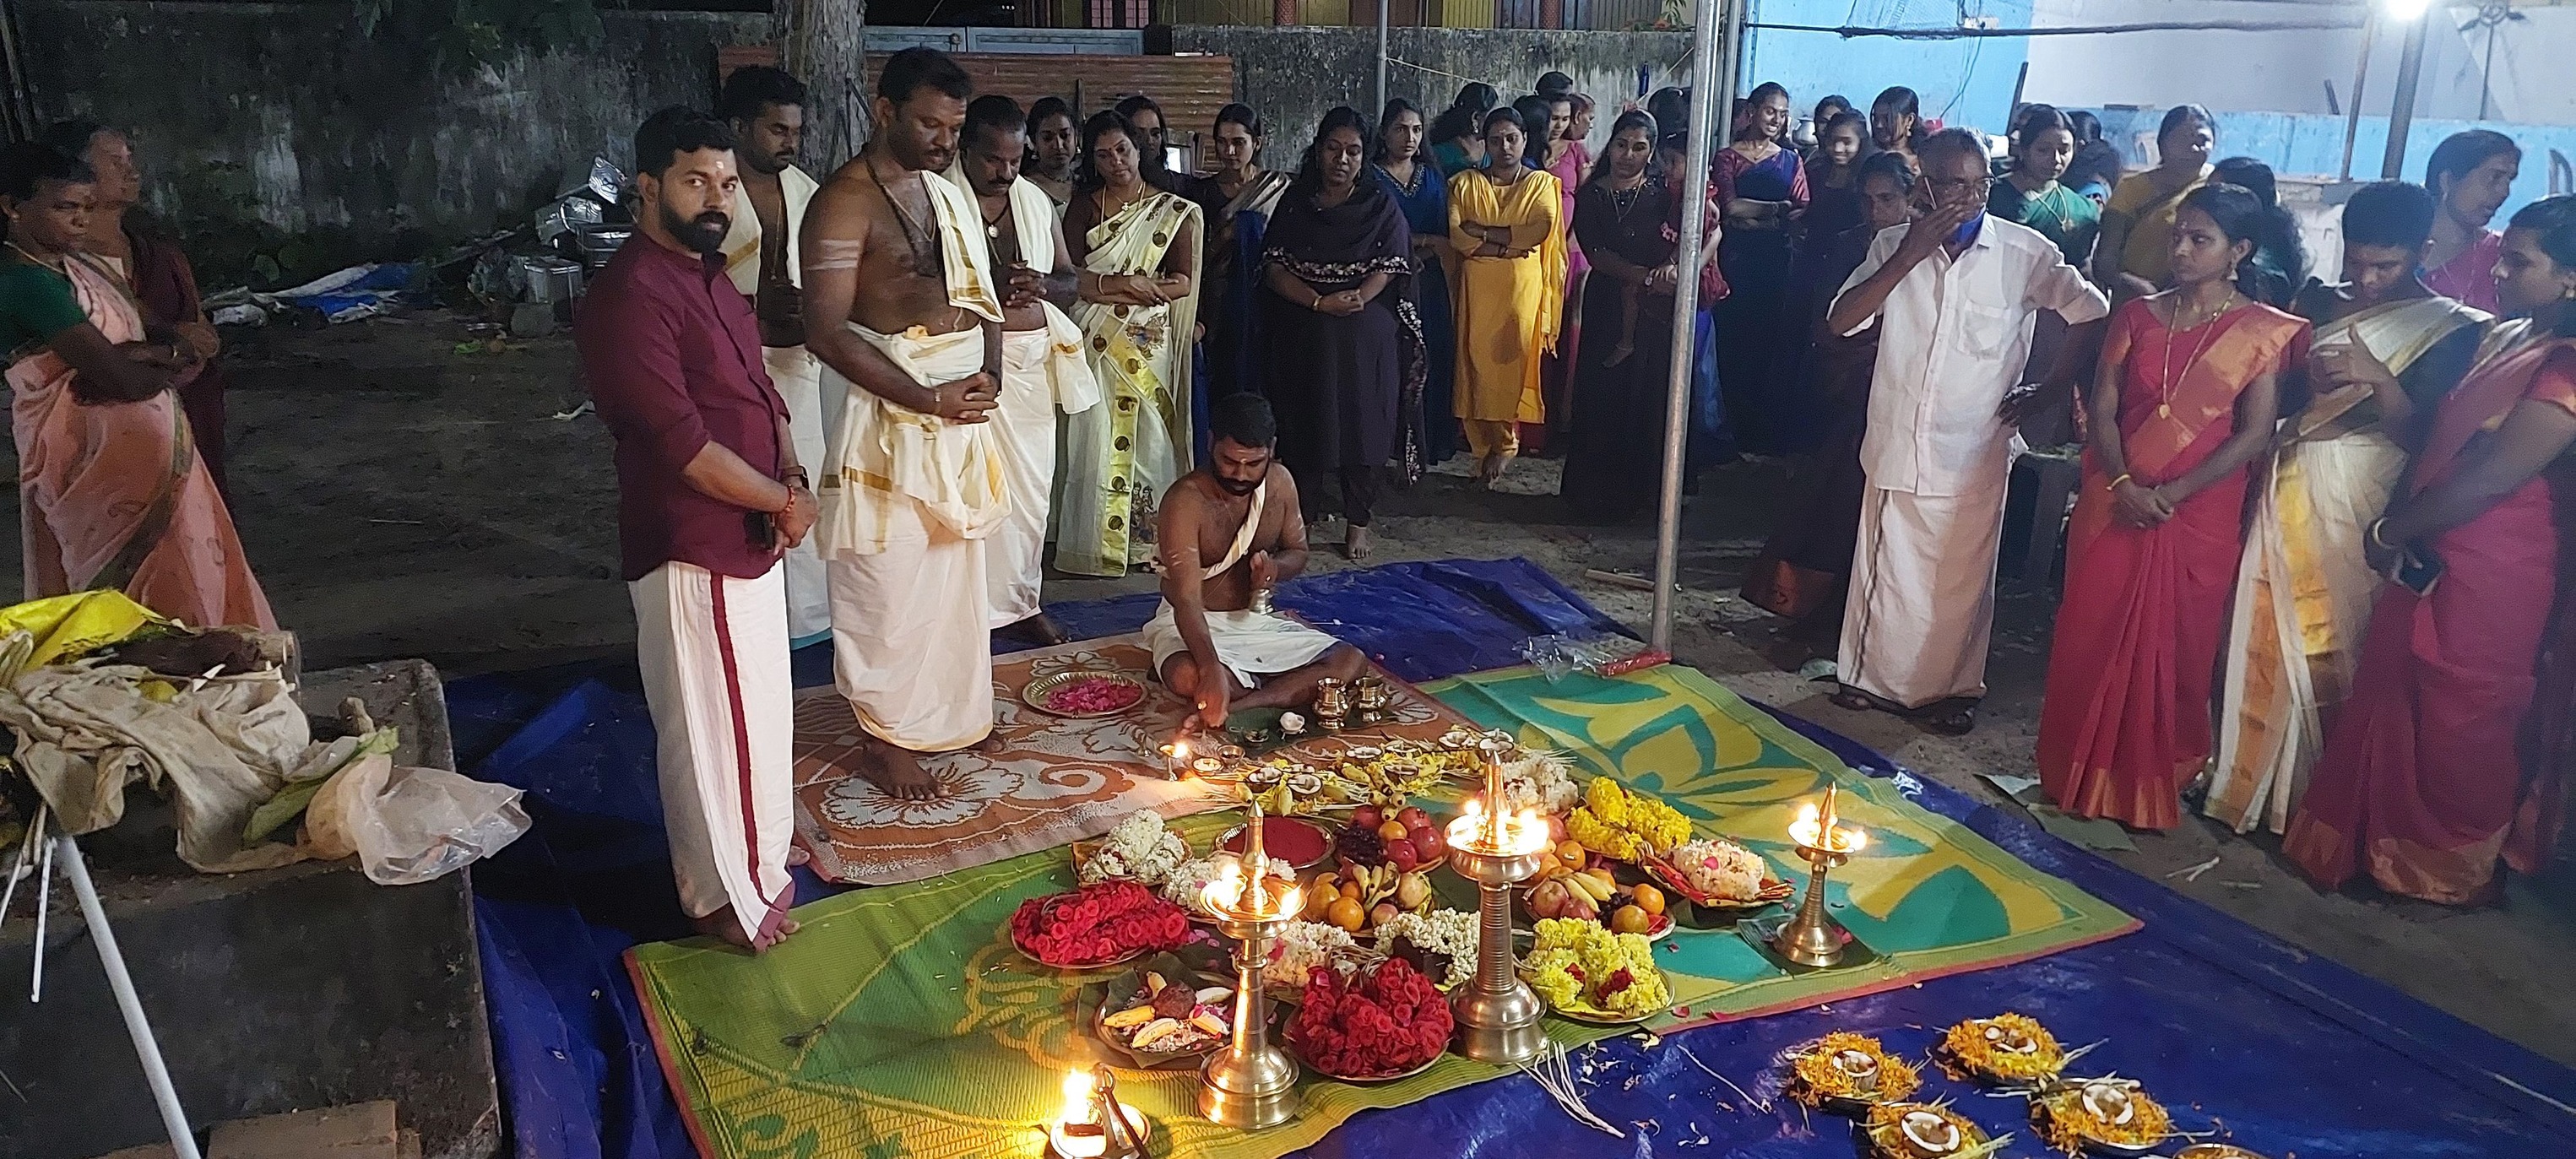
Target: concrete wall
[(284, 112), (1294, 75)]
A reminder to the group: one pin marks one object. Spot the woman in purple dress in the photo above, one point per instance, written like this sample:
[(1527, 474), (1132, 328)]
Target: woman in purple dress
[(1764, 190)]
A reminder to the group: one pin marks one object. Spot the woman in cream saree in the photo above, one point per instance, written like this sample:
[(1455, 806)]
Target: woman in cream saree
[(2303, 588), (1138, 249)]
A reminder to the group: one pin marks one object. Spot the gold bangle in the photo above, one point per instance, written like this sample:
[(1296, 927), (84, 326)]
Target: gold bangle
[(2115, 483)]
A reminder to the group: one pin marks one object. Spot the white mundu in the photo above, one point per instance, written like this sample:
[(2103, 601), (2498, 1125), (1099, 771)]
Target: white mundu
[(728, 805), (1250, 644), (1954, 336), (1043, 371), (905, 506), (811, 415)]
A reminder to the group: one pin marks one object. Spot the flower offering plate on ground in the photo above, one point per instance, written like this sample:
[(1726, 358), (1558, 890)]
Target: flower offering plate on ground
[(1087, 694)]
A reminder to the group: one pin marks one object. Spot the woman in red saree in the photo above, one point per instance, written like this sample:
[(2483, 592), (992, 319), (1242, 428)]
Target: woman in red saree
[(111, 491), (2183, 401), (2423, 785)]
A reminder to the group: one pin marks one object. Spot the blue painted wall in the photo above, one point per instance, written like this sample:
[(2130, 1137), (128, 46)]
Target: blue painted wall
[(2310, 144), (1963, 82)]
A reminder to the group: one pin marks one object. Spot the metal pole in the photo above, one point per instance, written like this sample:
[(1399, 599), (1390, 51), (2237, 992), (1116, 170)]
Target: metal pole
[(1712, 43), (155, 1073), (1381, 57), (2401, 112), (2360, 77)]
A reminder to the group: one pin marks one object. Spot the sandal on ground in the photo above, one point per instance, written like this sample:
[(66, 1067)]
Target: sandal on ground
[(1951, 719), (1854, 699)]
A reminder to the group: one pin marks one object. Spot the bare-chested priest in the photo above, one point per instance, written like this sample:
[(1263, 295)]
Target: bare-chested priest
[(1225, 530), (895, 252), (1043, 370)]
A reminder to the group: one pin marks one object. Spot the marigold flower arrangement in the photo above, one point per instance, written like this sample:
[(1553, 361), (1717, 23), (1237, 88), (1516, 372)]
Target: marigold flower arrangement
[(2111, 1111), (1097, 924), (1581, 966), (1814, 1077), (1624, 824), (2008, 1047), (1385, 1023)]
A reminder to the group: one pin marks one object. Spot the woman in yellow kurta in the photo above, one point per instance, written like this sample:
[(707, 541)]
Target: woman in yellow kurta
[(2134, 256), (1505, 220)]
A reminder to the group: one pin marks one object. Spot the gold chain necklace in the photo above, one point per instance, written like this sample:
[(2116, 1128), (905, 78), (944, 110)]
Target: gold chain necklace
[(2200, 346), (57, 267)]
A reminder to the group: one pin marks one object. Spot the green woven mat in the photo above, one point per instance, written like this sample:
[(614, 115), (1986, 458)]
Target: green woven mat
[(900, 1022)]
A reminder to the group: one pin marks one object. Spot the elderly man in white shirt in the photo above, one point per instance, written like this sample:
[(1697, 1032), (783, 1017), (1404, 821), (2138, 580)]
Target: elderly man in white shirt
[(1954, 295)]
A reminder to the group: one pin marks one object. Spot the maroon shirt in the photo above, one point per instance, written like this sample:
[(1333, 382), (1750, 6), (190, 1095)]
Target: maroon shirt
[(671, 353)]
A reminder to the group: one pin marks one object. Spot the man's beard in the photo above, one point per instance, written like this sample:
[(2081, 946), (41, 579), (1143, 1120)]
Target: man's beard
[(705, 233), (1236, 487)]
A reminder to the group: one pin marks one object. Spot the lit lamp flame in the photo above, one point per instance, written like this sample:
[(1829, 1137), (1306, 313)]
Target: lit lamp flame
[(1078, 1088), (1081, 1131), (1229, 892), (1820, 829)]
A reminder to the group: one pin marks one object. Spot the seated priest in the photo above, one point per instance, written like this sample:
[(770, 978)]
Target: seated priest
[(1225, 531)]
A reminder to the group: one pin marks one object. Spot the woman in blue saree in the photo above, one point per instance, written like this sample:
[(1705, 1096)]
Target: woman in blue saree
[(1408, 174)]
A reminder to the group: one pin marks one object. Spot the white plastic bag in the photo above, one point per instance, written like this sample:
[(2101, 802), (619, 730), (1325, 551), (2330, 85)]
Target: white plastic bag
[(409, 825)]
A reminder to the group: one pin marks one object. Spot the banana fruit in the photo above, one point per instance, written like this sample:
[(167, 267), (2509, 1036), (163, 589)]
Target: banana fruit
[(1592, 887)]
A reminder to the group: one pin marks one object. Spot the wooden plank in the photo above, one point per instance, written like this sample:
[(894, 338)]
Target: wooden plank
[(363, 1131)]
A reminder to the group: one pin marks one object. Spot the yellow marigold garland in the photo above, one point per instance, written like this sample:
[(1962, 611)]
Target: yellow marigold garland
[(1624, 824)]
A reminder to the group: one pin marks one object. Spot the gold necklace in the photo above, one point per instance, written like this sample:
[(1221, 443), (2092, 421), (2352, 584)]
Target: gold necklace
[(2200, 346)]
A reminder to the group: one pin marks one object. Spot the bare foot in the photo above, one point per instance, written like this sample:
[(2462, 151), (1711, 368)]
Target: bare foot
[(1355, 543), (897, 773), (775, 925), (720, 924), (796, 855)]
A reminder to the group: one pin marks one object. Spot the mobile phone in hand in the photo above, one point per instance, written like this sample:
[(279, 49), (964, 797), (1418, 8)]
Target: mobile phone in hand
[(2419, 569), (761, 527)]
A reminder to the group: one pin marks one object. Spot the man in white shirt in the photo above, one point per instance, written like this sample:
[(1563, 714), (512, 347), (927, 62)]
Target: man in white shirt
[(767, 110), (1954, 295)]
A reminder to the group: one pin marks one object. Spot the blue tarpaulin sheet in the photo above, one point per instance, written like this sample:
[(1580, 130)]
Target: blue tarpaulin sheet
[(2286, 1052)]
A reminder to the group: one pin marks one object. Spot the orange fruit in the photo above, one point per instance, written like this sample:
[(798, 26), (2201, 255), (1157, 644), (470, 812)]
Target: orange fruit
[(1351, 890), (1630, 919), (1650, 899), (1347, 914)]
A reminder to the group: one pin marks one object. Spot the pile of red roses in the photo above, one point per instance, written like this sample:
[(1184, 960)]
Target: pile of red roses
[(1391, 1021), (1097, 924)]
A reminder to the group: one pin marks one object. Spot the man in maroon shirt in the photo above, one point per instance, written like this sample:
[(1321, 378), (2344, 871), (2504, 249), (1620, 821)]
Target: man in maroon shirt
[(709, 497)]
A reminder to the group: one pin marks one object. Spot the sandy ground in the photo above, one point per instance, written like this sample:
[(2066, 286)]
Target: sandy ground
[(405, 489)]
